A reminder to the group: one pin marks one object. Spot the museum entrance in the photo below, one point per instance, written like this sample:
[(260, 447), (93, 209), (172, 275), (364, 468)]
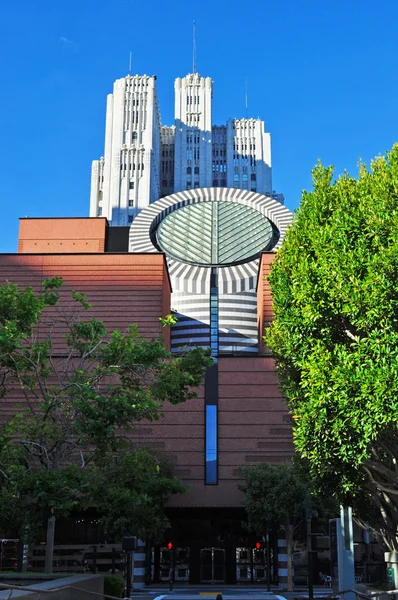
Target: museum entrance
[(212, 565), (209, 547)]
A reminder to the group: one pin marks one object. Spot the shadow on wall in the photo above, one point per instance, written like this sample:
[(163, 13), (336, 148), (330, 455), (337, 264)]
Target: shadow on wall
[(229, 167), (190, 331)]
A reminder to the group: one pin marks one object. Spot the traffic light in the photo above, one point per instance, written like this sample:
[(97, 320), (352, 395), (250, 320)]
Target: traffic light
[(258, 545), (170, 546)]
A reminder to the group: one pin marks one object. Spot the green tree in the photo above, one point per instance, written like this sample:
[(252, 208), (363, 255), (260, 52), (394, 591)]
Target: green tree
[(275, 496), (83, 389), (335, 336)]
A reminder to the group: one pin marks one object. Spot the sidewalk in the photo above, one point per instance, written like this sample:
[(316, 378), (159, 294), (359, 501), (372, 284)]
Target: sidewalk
[(237, 592)]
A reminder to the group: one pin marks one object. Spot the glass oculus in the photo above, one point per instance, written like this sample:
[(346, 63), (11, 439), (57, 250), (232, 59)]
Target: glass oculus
[(215, 233)]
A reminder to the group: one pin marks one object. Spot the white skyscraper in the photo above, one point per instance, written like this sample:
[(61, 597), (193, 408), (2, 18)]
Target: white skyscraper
[(193, 152), (144, 161), (249, 156), (127, 178)]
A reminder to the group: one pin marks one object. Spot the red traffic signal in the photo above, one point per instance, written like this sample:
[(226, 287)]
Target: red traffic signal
[(170, 546), (258, 545)]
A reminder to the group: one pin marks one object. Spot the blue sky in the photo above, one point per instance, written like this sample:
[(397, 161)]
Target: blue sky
[(322, 74)]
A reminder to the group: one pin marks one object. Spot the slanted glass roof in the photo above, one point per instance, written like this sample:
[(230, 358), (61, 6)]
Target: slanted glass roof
[(214, 233)]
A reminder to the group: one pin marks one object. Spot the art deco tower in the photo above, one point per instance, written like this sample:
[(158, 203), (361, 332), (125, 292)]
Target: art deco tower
[(145, 161), (193, 149), (127, 178)]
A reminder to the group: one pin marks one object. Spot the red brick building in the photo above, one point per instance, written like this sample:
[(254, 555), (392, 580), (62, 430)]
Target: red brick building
[(130, 275)]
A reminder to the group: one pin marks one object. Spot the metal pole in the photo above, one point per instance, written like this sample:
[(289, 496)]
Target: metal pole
[(113, 560), (268, 563), (94, 565), (128, 575), (251, 566), (50, 545), (308, 514), (171, 570)]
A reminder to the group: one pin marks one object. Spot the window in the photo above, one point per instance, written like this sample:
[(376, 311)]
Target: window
[(131, 218), (244, 181), (211, 444), (211, 450), (131, 203), (196, 184), (196, 171), (164, 182), (215, 183), (99, 211), (223, 183), (131, 185), (134, 136), (236, 180), (189, 170), (253, 177), (189, 185)]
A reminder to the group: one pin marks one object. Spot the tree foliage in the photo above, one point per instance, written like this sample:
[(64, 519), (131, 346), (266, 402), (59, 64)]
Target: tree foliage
[(83, 389), (335, 335), (274, 497)]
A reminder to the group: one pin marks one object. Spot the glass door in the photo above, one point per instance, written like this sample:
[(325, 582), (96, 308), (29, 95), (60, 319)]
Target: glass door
[(212, 565)]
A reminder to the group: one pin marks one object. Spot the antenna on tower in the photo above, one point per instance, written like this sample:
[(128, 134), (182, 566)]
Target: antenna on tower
[(194, 48), (130, 61), (246, 96)]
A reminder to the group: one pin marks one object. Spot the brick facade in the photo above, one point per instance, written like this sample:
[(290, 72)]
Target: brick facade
[(124, 288)]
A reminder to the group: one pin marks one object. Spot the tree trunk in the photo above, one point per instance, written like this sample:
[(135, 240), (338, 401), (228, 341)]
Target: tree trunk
[(50, 545), (289, 540)]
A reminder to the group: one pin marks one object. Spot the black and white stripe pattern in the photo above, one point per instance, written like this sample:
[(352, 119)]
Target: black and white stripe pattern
[(190, 300), (196, 280), (146, 222), (237, 322), (193, 325)]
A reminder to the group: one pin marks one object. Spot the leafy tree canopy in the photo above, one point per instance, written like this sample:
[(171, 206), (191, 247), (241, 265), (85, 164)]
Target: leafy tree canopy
[(82, 390), (335, 334), (275, 496)]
